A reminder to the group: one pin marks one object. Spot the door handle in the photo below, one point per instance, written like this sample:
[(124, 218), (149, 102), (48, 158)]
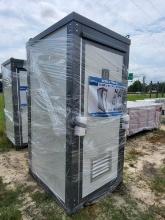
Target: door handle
[(80, 126), (125, 122)]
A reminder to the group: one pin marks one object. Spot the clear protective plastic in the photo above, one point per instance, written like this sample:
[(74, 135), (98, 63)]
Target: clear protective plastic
[(15, 98), (77, 116), (8, 110), (143, 116), (158, 100)]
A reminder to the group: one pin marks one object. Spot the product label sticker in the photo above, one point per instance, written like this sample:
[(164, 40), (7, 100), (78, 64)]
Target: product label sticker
[(106, 97), (23, 95)]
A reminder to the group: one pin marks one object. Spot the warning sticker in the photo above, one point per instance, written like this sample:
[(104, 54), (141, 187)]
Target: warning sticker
[(106, 97)]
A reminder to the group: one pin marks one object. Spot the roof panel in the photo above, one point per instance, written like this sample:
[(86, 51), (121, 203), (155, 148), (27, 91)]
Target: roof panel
[(84, 21)]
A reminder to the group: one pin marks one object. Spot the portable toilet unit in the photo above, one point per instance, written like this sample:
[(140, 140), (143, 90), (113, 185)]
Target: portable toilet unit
[(77, 73), (14, 77)]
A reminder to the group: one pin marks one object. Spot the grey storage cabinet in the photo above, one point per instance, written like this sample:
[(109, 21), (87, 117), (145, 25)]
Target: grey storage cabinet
[(14, 78), (76, 137)]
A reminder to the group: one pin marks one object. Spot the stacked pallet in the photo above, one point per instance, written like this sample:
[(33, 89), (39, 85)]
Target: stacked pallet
[(143, 115)]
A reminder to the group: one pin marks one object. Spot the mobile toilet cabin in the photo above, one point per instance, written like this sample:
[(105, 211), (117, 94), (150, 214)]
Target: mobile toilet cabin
[(14, 78), (77, 73)]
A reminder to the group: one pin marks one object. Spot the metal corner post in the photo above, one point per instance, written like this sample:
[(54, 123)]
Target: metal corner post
[(15, 102), (72, 108)]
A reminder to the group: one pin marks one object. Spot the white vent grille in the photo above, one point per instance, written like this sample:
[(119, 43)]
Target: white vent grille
[(100, 166)]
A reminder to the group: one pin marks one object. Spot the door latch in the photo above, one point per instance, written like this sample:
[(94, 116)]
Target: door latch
[(80, 126)]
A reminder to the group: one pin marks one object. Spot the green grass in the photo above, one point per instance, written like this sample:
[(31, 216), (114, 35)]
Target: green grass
[(46, 208), (2, 122), (10, 213), (9, 202), (107, 209), (5, 144), (134, 97), (133, 154), (158, 210), (158, 136), (158, 181), (128, 210), (39, 197)]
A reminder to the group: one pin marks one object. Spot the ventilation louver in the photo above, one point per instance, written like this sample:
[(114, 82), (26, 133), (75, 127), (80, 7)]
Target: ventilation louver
[(100, 166)]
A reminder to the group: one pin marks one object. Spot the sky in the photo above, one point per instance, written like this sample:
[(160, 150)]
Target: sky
[(143, 20)]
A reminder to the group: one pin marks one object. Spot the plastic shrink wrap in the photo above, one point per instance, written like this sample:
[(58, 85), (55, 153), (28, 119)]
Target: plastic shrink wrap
[(77, 74), (143, 116), (158, 100), (14, 76)]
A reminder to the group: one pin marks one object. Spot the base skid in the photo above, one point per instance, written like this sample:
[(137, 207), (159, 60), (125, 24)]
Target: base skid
[(89, 200)]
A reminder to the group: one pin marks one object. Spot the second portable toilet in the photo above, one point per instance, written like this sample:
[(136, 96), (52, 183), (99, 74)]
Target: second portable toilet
[(14, 78)]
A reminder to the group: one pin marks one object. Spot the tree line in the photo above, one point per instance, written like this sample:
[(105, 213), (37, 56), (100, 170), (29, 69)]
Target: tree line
[(137, 86)]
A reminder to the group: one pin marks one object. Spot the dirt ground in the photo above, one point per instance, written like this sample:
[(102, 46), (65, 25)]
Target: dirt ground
[(145, 154), (150, 151)]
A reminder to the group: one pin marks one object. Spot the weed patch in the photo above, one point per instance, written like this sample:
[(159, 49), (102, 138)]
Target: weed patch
[(5, 144), (158, 181), (158, 136), (47, 206), (39, 197), (9, 202), (133, 154), (127, 211)]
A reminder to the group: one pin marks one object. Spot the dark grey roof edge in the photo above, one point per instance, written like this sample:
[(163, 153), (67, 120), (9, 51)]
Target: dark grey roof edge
[(6, 62), (83, 20), (53, 28), (11, 60)]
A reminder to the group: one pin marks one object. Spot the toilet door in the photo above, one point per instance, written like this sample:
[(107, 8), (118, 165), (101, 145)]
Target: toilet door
[(22, 93), (102, 105)]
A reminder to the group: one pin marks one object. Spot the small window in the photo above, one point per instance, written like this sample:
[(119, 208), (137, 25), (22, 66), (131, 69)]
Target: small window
[(105, 73)]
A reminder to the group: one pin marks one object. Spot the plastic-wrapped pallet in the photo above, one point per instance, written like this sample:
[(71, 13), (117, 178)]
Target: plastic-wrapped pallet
[(143, 116), (77, 73), (158, 100), (14, 77)]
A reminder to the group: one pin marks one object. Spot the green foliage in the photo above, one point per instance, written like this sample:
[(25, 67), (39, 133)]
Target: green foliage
[(158, 181), (127, 211), (158, 136), (39, 197), (158, 210), (10, 213), (106, 209), (5, 144), (134, 97), (135, 87), (140, 96), (9, 200), (49, 208), (155, 86), (2, 122), (133, 154)]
